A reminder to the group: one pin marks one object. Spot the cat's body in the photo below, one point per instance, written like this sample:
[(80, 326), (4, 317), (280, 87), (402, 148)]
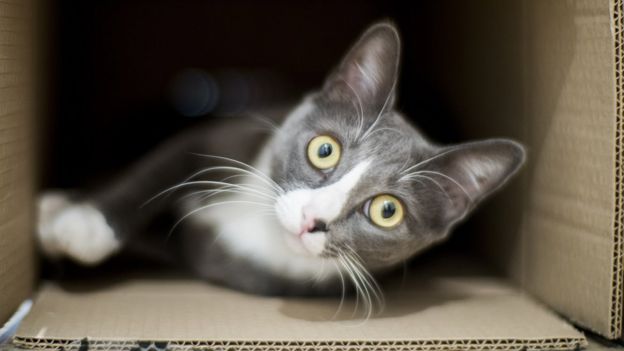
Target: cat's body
[(343, 189)]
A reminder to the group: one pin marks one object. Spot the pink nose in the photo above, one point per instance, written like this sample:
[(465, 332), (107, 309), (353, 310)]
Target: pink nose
[(306, 225), (311, 225)]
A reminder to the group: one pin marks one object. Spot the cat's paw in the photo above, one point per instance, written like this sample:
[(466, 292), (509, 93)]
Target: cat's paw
[(75, 230)]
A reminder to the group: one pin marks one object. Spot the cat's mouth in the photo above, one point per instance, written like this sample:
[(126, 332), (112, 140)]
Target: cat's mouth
[(307, 243)]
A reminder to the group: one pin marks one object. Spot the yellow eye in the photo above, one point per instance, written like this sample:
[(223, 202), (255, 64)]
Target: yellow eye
[(324, 152), (386, 211)]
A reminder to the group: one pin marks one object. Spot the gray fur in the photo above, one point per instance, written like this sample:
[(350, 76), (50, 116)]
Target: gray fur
[(438, 185)]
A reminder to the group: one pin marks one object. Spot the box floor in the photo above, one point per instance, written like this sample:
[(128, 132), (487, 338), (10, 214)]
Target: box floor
[(448, 299), (595, 344)]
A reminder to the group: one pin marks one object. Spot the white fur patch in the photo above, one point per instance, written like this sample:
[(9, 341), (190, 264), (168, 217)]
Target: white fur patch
[(325, 204), (260, 237), (78, 231)]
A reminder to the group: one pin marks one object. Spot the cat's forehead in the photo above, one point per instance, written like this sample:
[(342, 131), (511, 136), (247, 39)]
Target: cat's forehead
[(387, 134), (387, 142)]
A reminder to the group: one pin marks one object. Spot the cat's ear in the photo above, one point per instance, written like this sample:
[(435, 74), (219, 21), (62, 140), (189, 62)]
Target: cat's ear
[(467, 173), (368, 73)]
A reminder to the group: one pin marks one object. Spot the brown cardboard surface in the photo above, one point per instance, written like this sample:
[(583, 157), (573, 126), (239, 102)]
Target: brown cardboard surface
[(449, 307), (553, 63), (568, 234), (557, 231), (16, 254)]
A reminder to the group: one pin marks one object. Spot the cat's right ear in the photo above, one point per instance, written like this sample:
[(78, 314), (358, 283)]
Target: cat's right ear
[(368, 73)]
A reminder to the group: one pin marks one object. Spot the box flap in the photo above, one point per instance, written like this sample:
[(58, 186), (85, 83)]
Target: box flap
[(451, 309)]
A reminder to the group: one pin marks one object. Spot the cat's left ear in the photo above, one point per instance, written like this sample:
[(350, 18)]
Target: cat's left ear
[(368, 73), (468, 173)]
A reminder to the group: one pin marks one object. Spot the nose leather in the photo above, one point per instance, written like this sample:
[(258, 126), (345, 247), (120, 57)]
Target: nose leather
[(319, 226)]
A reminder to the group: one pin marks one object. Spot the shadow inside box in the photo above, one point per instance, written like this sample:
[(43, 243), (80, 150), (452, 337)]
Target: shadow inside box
[(437, 279)]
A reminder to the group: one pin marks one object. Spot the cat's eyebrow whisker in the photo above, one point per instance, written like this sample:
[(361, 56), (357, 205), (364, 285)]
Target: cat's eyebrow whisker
[(381, 112), (385, 128), (451, 179), (360, 112), (259, 117), (425, 161), (205, 207), (416, 176), (407, 160)]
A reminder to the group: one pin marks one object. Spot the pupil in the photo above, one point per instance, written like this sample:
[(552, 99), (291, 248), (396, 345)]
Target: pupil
[(325, 150), (388, 209)]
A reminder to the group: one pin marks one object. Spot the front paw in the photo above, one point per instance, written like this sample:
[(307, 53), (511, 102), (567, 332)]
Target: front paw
[(75, 230)]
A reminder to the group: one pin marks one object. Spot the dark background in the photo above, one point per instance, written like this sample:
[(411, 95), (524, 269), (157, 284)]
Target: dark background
[(112, 67)]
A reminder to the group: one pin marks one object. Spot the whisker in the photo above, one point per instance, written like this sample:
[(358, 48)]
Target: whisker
[(385, 128), (381, 112), (242, 189), (267, 121), (376, 288), (267, 181), (426, 161), (200, 182), (363, 287), (202, 208), (354, 281), (360, 112), (451, 179), (415, 176), (254, 169), (343, 290)]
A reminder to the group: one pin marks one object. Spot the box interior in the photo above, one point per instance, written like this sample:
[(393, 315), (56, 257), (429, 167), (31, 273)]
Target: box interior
[(543, 73)]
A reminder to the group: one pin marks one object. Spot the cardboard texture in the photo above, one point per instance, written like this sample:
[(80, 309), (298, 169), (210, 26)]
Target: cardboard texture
[(452, 305), (549, 74), (553, 66), (16, 254)]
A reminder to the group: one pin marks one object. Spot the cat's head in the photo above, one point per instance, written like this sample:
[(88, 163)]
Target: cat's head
[(359, 178)]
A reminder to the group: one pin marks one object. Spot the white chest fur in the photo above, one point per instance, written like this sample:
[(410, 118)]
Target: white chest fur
[(252, 231)]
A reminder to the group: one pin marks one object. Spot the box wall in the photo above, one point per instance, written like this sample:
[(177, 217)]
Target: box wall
[(554, 63), (17, 259), (559, 100)]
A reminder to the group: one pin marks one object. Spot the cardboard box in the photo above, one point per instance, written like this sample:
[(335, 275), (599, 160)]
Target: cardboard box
[(549, 75)]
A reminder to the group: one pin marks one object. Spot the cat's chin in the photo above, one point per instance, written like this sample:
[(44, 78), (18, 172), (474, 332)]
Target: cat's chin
[(295, 243)]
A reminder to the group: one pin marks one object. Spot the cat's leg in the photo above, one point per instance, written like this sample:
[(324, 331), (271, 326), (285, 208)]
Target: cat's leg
[(89, 227)]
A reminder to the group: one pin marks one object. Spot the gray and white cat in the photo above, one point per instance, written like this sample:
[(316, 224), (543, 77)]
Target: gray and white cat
[(343, 190)]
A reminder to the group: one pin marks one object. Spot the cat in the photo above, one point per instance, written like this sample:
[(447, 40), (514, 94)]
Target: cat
[(344, 190)]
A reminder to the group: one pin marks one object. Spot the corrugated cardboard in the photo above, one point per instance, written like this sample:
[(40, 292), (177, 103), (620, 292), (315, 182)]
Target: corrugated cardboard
[(453, 305), (553, 67), (548, 73), (16, 252)]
